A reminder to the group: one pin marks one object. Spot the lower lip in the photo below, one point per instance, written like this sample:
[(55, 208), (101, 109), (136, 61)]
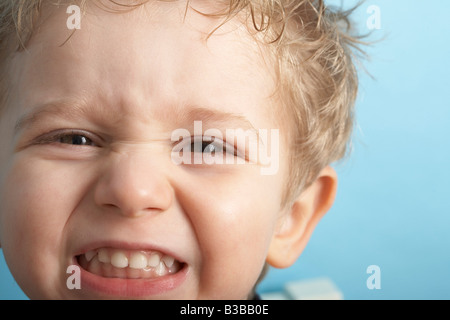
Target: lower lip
[(131, 288)]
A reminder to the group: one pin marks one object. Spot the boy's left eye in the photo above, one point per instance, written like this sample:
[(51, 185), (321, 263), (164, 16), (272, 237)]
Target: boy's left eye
[(208, 146), (211, 146)]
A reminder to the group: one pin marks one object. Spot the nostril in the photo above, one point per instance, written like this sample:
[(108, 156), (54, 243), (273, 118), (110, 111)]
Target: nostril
[(130, 212), (107, 205)]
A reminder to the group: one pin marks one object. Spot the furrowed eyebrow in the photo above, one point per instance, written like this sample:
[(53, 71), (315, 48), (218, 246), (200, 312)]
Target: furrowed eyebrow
[(60, 109), (216, 119), (212, 117)]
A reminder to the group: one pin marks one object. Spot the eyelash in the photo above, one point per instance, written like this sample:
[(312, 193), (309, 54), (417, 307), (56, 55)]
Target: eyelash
[(223, 146), (56, 137)]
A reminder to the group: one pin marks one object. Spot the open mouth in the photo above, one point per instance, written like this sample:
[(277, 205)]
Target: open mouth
[(128, 264)]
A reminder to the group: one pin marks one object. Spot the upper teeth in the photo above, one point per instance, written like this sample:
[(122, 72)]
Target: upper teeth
[(133, 259), (138, 261)]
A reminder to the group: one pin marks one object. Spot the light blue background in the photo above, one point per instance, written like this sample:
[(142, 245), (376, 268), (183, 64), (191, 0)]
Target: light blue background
[(393, 203)]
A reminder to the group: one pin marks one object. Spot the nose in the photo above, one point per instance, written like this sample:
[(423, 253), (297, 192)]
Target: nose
[(133, 185)]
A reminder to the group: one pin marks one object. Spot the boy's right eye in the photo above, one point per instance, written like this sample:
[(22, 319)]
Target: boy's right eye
[(71, 137), (75, 139)]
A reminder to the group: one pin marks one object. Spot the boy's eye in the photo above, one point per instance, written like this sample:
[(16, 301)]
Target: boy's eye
[(211, 146), (75, 139), (205, 150)]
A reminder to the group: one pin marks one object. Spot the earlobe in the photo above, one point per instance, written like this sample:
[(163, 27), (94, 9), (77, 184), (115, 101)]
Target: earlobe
[(298, 223)]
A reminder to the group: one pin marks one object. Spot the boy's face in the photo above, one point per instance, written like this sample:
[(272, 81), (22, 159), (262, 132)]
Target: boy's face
[(88, 166)]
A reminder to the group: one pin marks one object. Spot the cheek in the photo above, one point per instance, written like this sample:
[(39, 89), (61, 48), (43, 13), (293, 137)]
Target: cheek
[(34, 212), (234, 222), (31, 202)]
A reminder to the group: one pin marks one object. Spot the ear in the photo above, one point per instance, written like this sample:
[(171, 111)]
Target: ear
[(299, 221)]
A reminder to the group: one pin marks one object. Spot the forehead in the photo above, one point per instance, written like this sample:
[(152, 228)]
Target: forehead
[(147, 61)]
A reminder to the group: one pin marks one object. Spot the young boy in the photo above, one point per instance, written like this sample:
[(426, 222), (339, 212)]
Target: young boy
[(103, 111)]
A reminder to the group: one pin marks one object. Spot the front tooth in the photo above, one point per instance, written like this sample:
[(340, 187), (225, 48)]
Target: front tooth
[(119, 260), (168, 261), (103, 256), (138, 261), (153, 260), (89, 255)]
